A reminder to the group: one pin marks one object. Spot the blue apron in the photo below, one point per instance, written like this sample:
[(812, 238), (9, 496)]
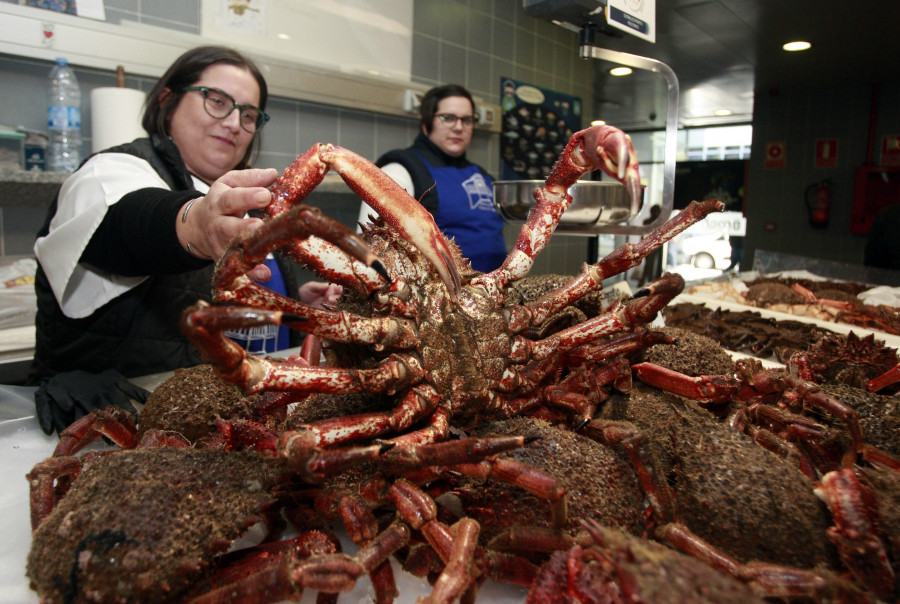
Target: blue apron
[(268, 338), (466, 213)]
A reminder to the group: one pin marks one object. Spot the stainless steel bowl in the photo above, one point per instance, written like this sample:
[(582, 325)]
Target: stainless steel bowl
[(594, 204)]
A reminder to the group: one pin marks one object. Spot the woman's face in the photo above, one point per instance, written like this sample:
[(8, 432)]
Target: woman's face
[(211, 147), (452, 139)]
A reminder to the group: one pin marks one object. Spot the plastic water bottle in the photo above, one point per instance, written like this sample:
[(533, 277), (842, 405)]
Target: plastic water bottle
[(63, 119)]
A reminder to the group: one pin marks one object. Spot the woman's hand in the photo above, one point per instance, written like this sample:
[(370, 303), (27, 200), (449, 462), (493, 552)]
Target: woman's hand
[(211, 222), (319, 294)]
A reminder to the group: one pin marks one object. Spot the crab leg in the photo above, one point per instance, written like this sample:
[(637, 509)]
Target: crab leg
[(767, 580), (300, 221), (891, 376), (328, 573), (600, 147), (267, 307), (855, 533), (620, 260), (390, 200), (640, 309), (203, 325)]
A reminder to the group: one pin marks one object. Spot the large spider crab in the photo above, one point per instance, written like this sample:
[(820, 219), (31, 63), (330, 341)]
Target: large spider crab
[(436, 332)]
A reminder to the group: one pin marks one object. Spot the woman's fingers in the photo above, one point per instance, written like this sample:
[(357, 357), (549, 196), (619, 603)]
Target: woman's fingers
[(240, 191)]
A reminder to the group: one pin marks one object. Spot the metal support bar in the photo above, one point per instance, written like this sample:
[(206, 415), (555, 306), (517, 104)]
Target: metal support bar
[(589, 51)]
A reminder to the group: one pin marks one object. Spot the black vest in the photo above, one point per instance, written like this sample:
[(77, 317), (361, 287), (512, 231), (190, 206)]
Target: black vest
[(411, 158), (138, 332)]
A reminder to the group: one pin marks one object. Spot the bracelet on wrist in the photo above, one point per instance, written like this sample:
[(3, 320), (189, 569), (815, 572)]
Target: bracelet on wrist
[(187, 209)]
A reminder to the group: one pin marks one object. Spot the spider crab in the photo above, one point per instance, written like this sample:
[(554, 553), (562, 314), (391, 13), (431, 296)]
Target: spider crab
[(436, 332)]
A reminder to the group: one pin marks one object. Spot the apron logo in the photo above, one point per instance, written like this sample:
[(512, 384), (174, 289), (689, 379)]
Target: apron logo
[(481, 197)]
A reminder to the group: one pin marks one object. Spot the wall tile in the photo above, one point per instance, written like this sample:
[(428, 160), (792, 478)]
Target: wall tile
[(503, 40), (426, 59), (393, 133), (454, 17), (184, 12), (279, 134), (479, 27), (453, 64), (357, 133), (315, 124), (479, 80), (506, 10), (427, 17), (124, 5)]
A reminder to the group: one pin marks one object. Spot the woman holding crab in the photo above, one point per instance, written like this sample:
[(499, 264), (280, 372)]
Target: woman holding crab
[(132, 237)]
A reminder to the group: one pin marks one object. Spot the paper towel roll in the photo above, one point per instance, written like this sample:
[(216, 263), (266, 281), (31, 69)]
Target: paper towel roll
[(115, 116)]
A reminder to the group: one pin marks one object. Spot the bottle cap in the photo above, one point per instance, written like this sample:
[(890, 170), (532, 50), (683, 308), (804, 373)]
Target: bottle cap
[(62, 61)]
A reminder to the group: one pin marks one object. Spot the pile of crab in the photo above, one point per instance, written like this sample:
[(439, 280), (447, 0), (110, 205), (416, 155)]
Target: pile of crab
[(471, 427), (835, 301)]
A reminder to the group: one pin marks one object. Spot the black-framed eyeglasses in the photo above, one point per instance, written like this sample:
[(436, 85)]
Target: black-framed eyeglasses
[(450, 120), (219, 104)]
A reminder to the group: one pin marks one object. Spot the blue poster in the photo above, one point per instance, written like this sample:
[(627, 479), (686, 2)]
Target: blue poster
[(537, 125)]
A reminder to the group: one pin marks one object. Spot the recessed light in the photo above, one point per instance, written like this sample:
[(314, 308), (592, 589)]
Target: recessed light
[(795, 46), (620, 71), (722, 112), (598, 123)]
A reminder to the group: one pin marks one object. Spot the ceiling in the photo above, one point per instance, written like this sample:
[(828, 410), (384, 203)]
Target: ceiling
[(723, 50)]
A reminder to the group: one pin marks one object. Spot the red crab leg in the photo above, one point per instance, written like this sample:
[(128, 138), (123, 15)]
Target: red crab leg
[(111, 422), (241, 564), (810, 298), (600, 147), (534, 481), (768, 580), (891, 376), (328, 573), (703, 389), (620, 260), (855, 531), (300, 221), (254, 374), (629, 438), (620, 317), (362, 528), (639, 339), (45, 492), (460, 570), (390, 200), (330, 325)]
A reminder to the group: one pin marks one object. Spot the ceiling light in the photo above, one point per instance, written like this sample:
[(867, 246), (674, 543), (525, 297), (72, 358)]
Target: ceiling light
[(795, 46), (722, 112), (598, 123), (620, 71)]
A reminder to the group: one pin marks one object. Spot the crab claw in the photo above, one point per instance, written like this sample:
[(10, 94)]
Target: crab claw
[(609, 149), (397, 208)]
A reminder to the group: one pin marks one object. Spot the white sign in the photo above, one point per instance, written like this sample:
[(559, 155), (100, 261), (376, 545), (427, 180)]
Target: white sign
[(731, 223), (637, 17)]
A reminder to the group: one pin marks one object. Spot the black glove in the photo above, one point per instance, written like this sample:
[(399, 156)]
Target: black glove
[(65, 397)]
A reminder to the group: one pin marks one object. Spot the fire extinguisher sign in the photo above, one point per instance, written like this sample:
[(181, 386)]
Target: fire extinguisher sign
[(775, 156), (826, 153)]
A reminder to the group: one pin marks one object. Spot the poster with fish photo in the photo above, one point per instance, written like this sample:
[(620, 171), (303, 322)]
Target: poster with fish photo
[(537, 124)]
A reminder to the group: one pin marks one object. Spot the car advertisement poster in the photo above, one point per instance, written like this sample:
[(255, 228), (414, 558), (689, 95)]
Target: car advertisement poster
[(537, 125)]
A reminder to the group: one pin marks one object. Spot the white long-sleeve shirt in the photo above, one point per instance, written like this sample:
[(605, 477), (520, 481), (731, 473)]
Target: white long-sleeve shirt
[(82, 204)]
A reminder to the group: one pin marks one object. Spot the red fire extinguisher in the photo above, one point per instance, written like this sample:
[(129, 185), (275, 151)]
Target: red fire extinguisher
[(818, 200)]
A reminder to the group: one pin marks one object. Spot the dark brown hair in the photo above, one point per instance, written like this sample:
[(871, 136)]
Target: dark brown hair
[(436, 95), (186, 71)]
